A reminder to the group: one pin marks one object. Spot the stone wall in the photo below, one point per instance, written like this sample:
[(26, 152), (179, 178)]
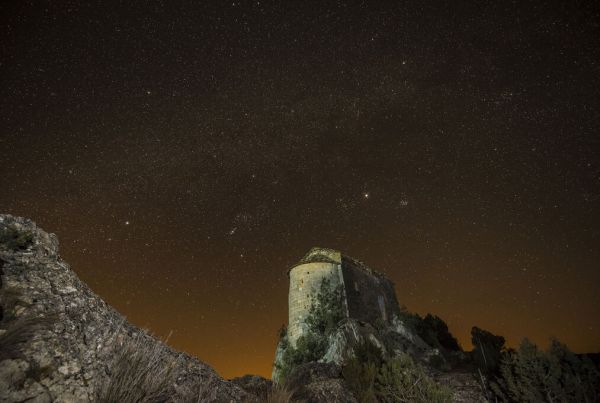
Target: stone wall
[(370, 296)]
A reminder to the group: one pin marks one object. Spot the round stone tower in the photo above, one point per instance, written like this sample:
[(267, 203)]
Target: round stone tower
[(305, 281)]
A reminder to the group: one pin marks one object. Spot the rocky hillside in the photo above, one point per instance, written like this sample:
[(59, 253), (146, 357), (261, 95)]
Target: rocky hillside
[(60, 342)]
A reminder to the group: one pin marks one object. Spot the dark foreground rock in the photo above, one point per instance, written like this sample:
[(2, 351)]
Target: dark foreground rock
[(59, 342), (256, 385), (319, 382)]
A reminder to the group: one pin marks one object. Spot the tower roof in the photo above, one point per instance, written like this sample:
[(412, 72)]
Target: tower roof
[(320, 255), (326, 255)]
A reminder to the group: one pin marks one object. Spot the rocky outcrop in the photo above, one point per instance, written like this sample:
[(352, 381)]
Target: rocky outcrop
[(355, 345), (322, 380), (389, 339), (60, 342)]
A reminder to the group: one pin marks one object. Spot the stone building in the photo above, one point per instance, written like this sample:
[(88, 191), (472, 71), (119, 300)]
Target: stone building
[(367, 296)]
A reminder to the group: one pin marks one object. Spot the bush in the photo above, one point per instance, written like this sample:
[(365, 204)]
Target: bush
[(432, 329), (373, 379), (309, 347), (361, 371), (402, 380), (557, 375), (21, 331), (279, 394), (368, 352), (437, 333), (360, 379), (15, 239)]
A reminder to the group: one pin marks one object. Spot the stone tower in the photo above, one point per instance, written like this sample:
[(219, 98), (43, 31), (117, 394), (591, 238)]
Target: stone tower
[(305, 281), (367, 295)]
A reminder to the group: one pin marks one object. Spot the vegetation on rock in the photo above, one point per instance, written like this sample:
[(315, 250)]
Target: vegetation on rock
[(19, 332), (529, 374), (372, 378), (325, 313), (14, 238), (279, 394)]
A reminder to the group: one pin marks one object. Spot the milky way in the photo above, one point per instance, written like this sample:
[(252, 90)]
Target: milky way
[(187, 154)]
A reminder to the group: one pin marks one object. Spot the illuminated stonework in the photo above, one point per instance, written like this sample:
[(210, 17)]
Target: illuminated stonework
[(367, 295), (305, 281)]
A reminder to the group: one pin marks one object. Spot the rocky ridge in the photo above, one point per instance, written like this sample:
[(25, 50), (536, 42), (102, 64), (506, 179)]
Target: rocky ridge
[(59, 340)]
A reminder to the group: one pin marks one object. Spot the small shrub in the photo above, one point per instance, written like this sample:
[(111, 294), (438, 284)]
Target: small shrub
[(141, 371), (402, 380), (368, 352), (360, 378), (279, 394), (15, 239), (361, 370), (309, 347), (374, 379)]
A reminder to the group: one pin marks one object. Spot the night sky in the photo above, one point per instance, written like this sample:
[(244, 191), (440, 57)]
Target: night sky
[(187, 153)]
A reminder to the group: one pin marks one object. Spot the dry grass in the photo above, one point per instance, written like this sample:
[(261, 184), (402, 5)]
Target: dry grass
[(19, 332), (280, 394), (10, 299), (141, 372)]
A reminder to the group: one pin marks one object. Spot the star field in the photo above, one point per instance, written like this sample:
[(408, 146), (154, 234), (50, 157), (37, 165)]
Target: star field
[(186, 154)]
